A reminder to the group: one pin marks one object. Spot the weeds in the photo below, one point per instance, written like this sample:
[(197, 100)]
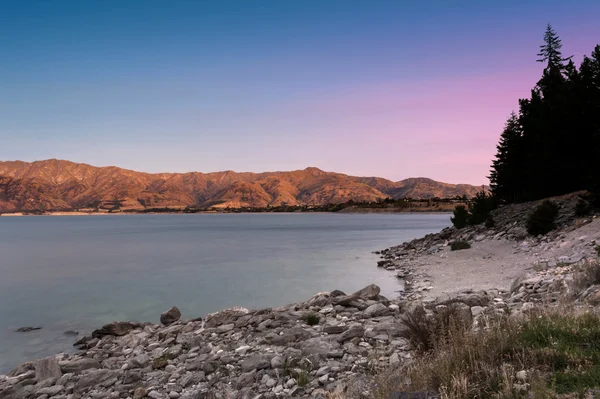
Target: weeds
[(560, 348), (312, 319)]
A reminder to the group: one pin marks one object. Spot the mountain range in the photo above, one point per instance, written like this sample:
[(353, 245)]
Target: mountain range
[(63, 185)]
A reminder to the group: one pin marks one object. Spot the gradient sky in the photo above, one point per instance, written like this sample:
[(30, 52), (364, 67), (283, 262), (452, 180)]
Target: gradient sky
[(387, 88)]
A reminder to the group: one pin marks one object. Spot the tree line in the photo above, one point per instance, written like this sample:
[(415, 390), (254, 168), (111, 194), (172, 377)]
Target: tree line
[(551, 146)]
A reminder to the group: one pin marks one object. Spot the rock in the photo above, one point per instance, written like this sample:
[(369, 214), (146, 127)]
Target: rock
[(117, 329), (352, 332), (170, 316), (394, 359), (334, 328), (377, 309), (270, 383), (77, 366), (522, 376), (369, 292), (336, 293), (277, 362), (27, 329), (50, 391), (101, 377), (256, 362), (139, 361), (47, 368), (139, 393), (324, 379)]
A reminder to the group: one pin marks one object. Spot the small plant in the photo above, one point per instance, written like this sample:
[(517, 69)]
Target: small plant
[(459, 244), (161, 361), (490, 223), (302, 378), (461, 215), (312, 319), (541, 221)]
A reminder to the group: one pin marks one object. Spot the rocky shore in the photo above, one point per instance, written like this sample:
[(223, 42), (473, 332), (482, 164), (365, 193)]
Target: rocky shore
[(331, 345)]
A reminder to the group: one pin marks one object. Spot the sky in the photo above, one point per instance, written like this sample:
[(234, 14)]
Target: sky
[(394, 88)]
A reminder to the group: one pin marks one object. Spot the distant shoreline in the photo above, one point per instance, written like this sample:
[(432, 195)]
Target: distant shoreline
[(343, 211)]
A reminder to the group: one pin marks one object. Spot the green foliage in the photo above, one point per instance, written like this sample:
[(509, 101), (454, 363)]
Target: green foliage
[(303, 379), (461, 216), (312, 319), (480, 207), (458, 245), (541, 221)]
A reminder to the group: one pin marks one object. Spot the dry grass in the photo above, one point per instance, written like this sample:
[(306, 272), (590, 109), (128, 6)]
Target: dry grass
[(559, 348)]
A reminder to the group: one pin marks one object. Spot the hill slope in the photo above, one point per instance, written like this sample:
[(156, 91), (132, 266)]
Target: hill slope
[(61, 185)]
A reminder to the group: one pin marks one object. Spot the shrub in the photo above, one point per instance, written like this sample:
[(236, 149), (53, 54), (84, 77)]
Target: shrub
[(425, 332), (458, 245), (312, 319), (541, 221), (490, 222), (480, 207), (582, 207), (460, 217)]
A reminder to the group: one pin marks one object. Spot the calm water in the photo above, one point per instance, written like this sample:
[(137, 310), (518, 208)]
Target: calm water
[(79, 272)]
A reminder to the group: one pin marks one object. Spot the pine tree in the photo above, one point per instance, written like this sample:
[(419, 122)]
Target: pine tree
[(506, 168), (550, 50)]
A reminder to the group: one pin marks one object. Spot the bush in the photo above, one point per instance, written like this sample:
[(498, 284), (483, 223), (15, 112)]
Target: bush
[(490, 223), (313, 319), (460, 217), (458, 245), (541, 221), (582, 207), (480, 207)]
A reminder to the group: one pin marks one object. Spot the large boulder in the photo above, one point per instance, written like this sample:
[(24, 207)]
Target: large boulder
[(117, 329), (170, 316), (369, 292)]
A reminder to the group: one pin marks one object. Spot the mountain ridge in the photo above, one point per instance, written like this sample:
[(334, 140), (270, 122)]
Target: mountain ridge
[(54, 184)]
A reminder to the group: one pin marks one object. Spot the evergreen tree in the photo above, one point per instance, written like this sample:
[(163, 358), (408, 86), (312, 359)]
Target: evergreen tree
[(506, 168), (550, 50)]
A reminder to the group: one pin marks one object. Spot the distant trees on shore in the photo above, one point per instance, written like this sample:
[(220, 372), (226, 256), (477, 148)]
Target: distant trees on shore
[(552, 145)]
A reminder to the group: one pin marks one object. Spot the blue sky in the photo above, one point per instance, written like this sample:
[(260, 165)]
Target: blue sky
[(387, 88)]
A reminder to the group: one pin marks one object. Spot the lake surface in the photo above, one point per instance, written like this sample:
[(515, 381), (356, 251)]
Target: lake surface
[(80, 272)]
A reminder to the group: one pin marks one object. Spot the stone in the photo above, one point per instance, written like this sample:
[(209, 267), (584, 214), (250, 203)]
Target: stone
[(277, 362), (27, 329), (369, 292), (256, 362), (522, 376), (116, 329), (270, 383), (377, 309), (334, 328), (170, 316), (140, 361), (324, 379), (352, 332), (278, 389), (50, 391), (77, 366), (101, 377), (47, 368), (394, 359)]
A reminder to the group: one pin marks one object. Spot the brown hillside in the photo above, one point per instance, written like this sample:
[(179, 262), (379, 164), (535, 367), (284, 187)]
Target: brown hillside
[(56, 184)]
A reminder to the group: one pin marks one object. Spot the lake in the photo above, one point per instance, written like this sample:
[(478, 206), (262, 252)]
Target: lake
[(80, 272)]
